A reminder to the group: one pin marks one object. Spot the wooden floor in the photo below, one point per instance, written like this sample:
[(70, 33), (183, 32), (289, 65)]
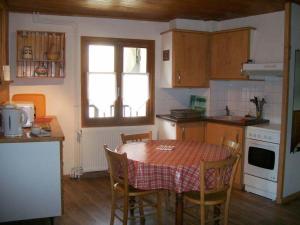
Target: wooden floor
[(87, 202)]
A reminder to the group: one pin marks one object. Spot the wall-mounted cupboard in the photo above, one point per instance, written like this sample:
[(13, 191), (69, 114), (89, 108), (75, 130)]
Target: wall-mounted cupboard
[(184, 59), (191, 58), (230, 49)]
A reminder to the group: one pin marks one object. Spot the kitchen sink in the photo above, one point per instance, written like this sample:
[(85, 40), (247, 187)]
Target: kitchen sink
[(228, 118), (233, 118)]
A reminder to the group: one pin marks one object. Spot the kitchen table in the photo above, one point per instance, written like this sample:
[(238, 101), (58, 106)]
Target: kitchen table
[(152, 165)]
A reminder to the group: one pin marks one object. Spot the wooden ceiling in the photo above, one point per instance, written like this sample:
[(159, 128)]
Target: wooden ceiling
[(156, 10)]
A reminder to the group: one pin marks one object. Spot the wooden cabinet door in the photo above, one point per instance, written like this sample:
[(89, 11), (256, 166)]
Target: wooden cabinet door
[(190, 131), (190, 57), (4, 88), (3, 37), (214, 134), (166, 129), (229, 50)]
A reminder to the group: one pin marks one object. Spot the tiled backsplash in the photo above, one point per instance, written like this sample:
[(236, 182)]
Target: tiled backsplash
[(236, 95), (177, 98)]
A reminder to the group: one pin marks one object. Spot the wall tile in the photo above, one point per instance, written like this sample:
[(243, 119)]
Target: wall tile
[(237, 94)]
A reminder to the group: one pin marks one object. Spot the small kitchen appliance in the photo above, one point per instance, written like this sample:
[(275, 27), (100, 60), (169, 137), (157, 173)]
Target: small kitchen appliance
[(13, 118), (28, 108), (261, 159)]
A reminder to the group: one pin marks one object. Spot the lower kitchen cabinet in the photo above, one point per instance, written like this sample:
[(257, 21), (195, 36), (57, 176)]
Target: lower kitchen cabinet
[(214, 134), (31, 186), (194, 131), (181, 131)]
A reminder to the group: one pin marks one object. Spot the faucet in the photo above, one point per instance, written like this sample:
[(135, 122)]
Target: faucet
[(227, 111)]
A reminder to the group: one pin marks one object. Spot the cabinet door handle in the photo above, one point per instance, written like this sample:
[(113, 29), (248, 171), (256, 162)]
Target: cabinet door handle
[(183, 133), (179, 77)]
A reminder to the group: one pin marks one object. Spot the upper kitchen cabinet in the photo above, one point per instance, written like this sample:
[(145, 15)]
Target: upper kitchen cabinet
[(4, 85), (3, 37), (184, 59), (229, 50), (40, 54)]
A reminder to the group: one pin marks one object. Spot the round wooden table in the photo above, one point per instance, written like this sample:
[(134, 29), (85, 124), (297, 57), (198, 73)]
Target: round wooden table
[(152, 165)]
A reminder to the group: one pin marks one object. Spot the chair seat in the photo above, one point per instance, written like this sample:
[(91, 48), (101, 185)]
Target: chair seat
[(133, 191), (210, 199)]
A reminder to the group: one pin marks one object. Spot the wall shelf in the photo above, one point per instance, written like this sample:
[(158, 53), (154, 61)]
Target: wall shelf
[(40, 54)]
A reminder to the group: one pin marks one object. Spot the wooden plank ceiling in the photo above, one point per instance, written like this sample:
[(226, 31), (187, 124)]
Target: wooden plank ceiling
[(156, 10)]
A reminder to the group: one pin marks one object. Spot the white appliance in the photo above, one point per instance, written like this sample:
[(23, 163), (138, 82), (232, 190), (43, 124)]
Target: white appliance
[(266, 69), (261, 159), (28, 108), (13, 118)]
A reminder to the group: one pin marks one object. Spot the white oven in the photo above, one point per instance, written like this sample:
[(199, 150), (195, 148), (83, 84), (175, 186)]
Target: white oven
[(261, 159)]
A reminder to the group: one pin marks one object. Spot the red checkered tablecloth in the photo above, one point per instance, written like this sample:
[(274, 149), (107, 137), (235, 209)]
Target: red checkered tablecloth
[(177, 170)]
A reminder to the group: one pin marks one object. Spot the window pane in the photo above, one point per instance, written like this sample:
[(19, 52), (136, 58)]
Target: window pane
[(101, 58), (135, 94), (135, 60), (101, 94)]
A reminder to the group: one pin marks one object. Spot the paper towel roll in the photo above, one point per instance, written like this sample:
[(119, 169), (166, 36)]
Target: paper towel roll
[(6, 73)]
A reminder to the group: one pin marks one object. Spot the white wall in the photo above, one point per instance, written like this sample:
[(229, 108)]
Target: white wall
[(292, 167), (63, 96)]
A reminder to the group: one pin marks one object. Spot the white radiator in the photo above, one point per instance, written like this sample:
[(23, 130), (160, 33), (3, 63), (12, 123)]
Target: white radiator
[(92, 157)]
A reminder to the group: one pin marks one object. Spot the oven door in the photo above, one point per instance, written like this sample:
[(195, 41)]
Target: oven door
[(261, 159)]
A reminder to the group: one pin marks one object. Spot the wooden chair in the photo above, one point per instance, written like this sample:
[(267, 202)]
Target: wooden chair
[(118, 171), (38, 100), (136, 137), (233, 146), (215, 189)]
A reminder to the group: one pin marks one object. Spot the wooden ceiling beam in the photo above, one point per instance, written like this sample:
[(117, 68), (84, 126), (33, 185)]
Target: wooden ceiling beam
[(156, 10)]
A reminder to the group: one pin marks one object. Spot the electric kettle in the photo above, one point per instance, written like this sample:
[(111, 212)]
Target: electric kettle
[(13, 119)]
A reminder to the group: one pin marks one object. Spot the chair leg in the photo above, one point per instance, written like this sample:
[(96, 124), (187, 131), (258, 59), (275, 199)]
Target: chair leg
[(158, 208), (141, 210), (216, 213), (131, 204), (52, 220), (202, 214), (113, 209), (125, 212), (226, 209)]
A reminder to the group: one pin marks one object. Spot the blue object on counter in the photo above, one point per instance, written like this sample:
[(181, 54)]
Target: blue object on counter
[(198, 103)]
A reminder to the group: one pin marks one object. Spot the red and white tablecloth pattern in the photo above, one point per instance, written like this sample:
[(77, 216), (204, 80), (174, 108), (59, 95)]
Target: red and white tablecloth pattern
[(177, 170)]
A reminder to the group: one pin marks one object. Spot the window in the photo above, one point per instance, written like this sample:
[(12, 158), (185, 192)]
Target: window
[(117, 81)]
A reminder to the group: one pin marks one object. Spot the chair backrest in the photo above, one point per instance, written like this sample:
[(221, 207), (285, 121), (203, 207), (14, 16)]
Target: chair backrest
[(118, 167), (38, 100), (232, 146), (217, 176), (136, 137)]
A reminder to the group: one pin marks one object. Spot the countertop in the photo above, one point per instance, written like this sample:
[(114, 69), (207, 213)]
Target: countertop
[(56, 132), (239, 121)]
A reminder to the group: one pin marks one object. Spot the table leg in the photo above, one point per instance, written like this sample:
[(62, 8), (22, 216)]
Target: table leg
[(179, 209)]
